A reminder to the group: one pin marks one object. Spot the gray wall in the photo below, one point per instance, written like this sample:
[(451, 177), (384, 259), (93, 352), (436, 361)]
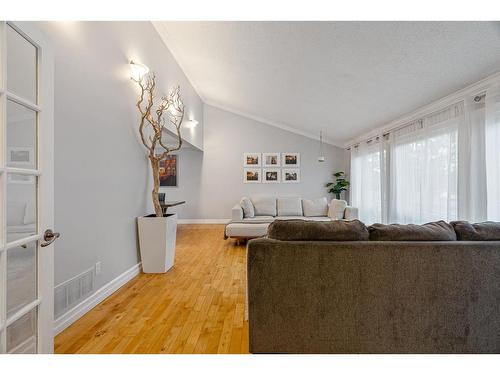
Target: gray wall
[(102, 178), (101, 173), (212, 182)]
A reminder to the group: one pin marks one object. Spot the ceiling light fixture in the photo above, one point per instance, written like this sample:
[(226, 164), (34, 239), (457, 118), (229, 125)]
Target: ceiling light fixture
[(138, 70), (321, 157)]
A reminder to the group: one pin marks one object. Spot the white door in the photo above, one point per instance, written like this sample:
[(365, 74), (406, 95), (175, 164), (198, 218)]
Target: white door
[(26, 190)]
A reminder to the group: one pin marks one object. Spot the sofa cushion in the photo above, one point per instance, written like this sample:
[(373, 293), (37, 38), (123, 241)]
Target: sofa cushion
[(486, 231), (316, 207), (289, 206), (436, 231), (305, 230), (246, 230), (264, 206), (247, 206), (336, 209)]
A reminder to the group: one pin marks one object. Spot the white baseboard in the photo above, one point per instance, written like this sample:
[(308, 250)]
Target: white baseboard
[(71, 316), (203, 221)]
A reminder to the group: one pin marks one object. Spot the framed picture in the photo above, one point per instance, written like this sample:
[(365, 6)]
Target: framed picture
[(251, 159), (271, 175), (290, 175), (169, 171), (271, 159), (252, 175), (21, 156), (290, 159)]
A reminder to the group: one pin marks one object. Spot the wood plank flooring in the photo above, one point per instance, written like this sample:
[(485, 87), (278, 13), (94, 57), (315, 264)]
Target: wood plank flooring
[(196, 307)]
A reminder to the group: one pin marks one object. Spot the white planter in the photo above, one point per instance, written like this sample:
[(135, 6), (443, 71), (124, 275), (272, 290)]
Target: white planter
[(157, 242)]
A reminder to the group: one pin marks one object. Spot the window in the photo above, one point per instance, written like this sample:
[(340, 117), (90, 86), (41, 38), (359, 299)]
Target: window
[(420, 163)]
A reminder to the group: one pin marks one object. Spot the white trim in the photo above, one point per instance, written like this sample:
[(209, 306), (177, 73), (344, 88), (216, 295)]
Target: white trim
[(276, 124), (71, 316), (25, 103), (203, 221), (23, 311), (32, 172), (23, 241), (470, 90)]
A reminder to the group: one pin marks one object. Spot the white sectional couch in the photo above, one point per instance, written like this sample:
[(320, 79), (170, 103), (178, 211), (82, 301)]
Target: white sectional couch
[(251, 217)]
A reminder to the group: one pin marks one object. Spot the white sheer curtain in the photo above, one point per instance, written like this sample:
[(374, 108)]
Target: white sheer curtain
[(492, 151), (367, 164), (424, 168), (471, 162), (443, 166)]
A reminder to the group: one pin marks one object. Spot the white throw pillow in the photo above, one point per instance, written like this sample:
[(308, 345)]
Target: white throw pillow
[(264, 206), (316, 207), (247, 206), (336, 209), (289, 207)]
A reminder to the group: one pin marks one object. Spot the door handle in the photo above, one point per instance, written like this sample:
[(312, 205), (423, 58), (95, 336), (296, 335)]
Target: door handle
[(49, 236)]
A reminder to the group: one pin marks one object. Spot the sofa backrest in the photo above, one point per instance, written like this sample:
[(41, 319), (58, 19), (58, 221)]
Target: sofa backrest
[(289, 206), (373, 296), (293, 206)]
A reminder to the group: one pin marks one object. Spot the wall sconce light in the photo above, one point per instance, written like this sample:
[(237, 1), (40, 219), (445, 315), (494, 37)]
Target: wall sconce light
[(137, 70), (191, 124)]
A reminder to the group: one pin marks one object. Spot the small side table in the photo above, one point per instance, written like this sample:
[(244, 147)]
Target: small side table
[(166, 204)]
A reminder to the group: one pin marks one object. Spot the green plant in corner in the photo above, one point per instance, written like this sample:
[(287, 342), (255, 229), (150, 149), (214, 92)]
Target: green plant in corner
[(340, 185)]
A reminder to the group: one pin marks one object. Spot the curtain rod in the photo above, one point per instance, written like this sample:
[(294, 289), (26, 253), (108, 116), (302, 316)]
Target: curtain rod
[(418, 119)]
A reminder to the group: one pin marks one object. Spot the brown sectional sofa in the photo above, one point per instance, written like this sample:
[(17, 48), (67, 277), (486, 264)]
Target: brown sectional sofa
[(396, 296)]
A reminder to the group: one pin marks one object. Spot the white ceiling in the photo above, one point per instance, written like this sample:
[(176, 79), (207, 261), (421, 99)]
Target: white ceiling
[(344, 78)]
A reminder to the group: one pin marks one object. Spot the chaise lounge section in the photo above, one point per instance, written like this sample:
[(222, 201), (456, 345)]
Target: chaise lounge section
[(252, 216)]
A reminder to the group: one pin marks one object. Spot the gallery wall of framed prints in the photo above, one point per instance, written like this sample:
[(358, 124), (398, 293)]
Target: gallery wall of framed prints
[(271, 167)]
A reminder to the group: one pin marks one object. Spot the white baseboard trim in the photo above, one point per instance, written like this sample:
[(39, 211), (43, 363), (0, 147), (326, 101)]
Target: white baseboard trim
[(203, 221), (71, 316)]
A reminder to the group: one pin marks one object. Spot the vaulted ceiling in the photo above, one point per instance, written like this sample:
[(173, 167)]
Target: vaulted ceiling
[(344, 78)]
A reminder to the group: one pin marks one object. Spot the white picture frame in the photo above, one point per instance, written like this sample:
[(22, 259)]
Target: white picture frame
[(20, 156), (271, 159), (290, 159), (290, 175), (252, 159), (271, 175), (252, 175)]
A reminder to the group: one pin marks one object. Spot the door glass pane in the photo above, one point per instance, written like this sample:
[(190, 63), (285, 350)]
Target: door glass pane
[(21, 206), (21, 66), (22, 334), (21, 277), (21, 136)]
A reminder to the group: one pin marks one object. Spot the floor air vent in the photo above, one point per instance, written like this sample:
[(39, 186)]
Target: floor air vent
[(73, 291)]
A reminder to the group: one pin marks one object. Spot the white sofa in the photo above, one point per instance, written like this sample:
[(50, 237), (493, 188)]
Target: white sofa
[(251, 217)]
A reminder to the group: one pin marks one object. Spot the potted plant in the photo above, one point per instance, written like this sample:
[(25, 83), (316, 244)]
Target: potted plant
[(157, 232), (340, 185)]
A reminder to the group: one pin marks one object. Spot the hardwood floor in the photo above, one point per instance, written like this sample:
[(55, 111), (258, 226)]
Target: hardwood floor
[(196, 307)]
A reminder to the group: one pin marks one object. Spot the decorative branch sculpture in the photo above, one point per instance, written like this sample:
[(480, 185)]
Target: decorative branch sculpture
[(152, 123)]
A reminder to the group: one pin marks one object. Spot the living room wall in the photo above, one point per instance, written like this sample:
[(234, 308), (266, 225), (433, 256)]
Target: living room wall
[(212, 182), (101, 172)]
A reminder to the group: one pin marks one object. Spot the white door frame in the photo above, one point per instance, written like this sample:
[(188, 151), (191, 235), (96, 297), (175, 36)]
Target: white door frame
[(45, 171)]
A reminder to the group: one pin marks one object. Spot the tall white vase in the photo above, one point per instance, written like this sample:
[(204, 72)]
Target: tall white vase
[(157, 237)]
